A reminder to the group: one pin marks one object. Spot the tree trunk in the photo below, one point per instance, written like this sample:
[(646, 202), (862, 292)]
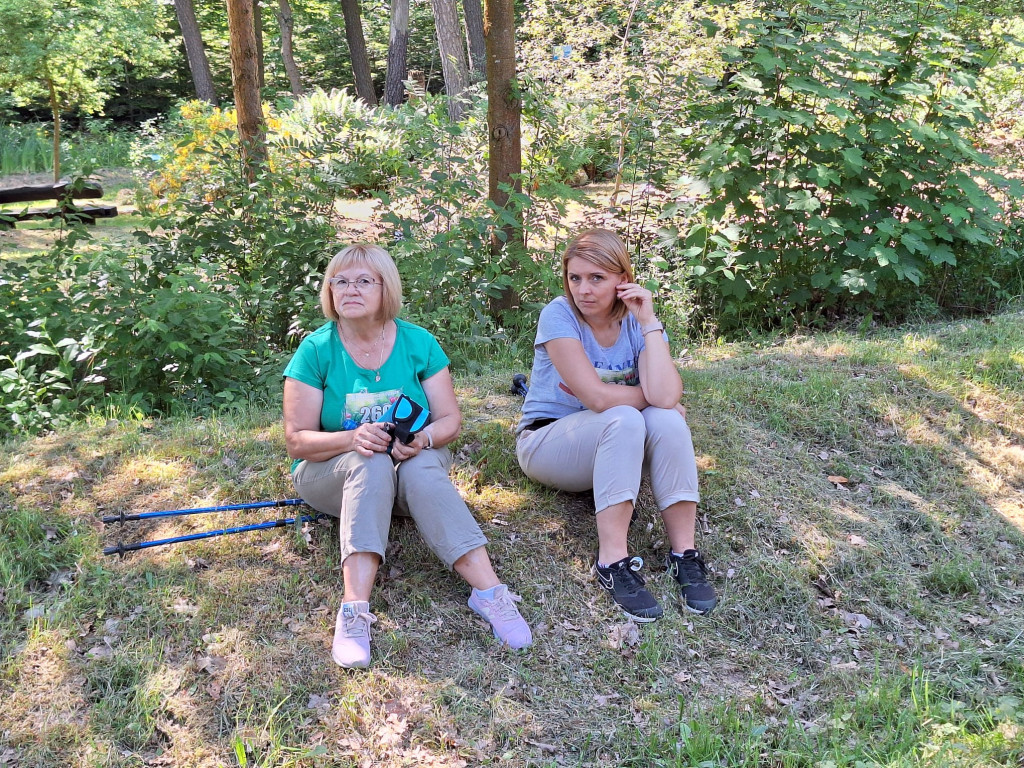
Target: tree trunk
[(475, 32), (398, 44), (285, 20), (245, 79), (195, 52), (257, 20), (357, 52), (504, 125), (453, 57), (55, 111)]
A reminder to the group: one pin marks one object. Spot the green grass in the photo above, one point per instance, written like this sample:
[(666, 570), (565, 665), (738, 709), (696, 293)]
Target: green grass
[(876, 622), (28, 147)]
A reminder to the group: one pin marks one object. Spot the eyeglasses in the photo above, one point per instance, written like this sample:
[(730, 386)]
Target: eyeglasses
[(361, 284)]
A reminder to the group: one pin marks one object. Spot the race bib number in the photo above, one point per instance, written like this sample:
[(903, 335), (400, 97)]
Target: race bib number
[(363, 407)]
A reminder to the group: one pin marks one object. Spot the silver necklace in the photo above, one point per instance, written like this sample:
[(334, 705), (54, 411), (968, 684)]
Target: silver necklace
[(366, 354)]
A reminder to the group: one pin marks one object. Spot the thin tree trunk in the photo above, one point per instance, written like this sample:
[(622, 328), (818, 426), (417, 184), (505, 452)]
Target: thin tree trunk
[(475, 32), (398, 44), (453, 57), (195, 52), (504, 111), (623, 127), (257, 19), (55, 110), (357, 51), (287, 24), (245, 79)]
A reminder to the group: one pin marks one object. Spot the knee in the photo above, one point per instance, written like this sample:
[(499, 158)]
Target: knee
[(623, 419), (378, 469), (424, 469), (664, 421)]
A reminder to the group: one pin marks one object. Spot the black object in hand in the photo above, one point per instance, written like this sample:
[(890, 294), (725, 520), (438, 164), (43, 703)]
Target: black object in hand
[(404, 419)]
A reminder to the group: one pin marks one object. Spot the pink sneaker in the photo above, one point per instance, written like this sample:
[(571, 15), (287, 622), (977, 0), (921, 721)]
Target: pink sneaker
[(508, 624), (351, 647)]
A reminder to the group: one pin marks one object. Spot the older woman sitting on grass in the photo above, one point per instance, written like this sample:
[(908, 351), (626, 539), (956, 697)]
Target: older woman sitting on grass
[(338, 386)]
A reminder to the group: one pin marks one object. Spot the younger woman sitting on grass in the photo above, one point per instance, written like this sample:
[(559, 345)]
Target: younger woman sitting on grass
[(603, 409)]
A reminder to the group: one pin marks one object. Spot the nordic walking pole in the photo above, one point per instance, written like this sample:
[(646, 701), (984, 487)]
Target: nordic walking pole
[(120, 548), (123, 518)]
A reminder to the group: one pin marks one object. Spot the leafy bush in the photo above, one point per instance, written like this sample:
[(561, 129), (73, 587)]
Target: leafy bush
[(834, 167), (87, 326)]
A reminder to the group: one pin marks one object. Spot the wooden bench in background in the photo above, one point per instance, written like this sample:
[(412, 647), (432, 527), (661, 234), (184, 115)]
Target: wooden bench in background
[(65, 194)]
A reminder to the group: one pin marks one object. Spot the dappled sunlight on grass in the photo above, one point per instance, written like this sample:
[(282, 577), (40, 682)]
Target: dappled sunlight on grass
[(220, 648)]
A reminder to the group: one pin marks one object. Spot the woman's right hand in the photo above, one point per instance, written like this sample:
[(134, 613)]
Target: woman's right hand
[(370, 438)]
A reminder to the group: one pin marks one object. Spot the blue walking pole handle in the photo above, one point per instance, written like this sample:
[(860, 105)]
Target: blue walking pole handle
[(120, 548), (123, 518)]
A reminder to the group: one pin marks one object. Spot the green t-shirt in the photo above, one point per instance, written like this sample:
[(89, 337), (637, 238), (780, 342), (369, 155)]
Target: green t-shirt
[(351, 394)]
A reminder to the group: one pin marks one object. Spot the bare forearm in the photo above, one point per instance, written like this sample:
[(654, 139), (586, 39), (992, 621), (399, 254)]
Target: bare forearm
[(610, 395), (659, 377), (445, 429), (314, 445)]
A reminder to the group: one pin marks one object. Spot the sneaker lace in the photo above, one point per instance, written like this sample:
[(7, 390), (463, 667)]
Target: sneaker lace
[(629, 573), (504, 605), (358, 624), (692, 569)]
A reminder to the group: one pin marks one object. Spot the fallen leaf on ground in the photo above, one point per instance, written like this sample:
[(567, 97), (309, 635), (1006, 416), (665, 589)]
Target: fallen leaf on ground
[(316, 701), (542, 746), (838, 479), (102, 651), (183, 606), (739, 502), (623, 634), (858, 620), (857, 541), (602, 701), (211, 664)]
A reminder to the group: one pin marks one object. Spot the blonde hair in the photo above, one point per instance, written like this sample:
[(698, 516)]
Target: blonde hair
[(373, 258), (605, 250)]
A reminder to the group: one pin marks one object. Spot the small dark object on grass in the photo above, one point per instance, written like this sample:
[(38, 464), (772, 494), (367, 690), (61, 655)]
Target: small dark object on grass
[(519, 385)]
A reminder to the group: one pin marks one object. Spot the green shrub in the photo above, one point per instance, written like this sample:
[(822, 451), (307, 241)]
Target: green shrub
[(833, 171)]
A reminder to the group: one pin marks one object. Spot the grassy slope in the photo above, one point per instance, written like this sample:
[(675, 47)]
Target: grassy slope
[(878, 620)]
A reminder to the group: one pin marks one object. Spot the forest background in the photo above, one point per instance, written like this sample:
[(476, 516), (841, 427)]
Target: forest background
[(772, 168), (826, 197)]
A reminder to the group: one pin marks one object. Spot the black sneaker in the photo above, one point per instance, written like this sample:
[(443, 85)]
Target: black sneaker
[(692, 575), (626, 587)]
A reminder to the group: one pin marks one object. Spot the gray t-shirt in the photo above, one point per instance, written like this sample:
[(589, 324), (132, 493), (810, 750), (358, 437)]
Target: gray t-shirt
[(549, 397)]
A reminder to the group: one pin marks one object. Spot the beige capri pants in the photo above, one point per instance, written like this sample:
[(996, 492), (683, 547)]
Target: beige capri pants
[(362, 492), (610, 451)]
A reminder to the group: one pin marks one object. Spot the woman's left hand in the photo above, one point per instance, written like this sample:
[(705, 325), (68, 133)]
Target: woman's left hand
[(638, 300), (400, 451)]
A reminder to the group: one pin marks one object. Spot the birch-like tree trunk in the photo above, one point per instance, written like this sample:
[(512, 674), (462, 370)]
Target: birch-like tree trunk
[(453, 56), (195, 52), (398, 45), (474, 15), (286, 21)]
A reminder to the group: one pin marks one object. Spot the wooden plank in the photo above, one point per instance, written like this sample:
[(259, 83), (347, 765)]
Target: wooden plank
[(86, 214), (29, 194)]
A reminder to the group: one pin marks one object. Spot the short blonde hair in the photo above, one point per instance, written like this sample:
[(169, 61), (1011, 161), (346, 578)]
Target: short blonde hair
[(373, 258), (605, 250)]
